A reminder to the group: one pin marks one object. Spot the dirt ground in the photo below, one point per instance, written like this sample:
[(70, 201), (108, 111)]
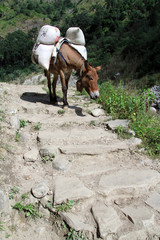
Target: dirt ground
[(114, 186)]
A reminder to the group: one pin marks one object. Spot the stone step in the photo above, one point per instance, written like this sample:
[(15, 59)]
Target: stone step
[(70, 188), (74, 136), (128, 183)]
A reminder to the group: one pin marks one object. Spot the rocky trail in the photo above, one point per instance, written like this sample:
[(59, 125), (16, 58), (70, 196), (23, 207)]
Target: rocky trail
[(110, 189)]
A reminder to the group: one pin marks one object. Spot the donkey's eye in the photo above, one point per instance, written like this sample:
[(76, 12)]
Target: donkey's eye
[(90, 78)]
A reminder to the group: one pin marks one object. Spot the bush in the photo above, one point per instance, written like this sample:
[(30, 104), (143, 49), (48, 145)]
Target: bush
[(120, 104)]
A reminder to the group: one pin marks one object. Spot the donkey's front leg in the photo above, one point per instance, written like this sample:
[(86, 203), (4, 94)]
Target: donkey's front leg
[(64, 88), (47, 74), (54, 99)]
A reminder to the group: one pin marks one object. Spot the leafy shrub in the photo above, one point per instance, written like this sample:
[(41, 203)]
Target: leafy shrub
[(120, 104)]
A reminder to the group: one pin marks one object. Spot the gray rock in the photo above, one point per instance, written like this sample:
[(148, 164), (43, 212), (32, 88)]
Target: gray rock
[(61, 164), (113, 124), (77, 222), (15, 122), (44, 152), (40, 190), (154, 201), (31, 156), (134, 141), (70, 188), (140, 215), (97, 112), (3, 201), (153, 110), (136, 235), (107, 219), (132, 182)]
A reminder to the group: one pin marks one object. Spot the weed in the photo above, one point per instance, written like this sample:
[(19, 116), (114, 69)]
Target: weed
[(13, 193), (48, 157), (75, 235), (2, 115), (37, 126), (23, 123), (29, 209), (81, 93), (89, 112), (61, 112), (7, 235), (17, 137), (123, 132), (2, 228), (92, 123), (64, 207), (24, 196)]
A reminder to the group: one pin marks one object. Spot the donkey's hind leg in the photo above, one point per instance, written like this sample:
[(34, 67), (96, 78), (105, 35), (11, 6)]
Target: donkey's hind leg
[(64, 88), (48, 75)]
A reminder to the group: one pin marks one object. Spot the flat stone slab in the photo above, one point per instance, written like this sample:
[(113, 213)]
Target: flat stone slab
[(94, 149), (77, 222), (129, 181), (113, 124), (73, 136), (70, 188), (107, 219), (137, 235), (154, 201), (139, 215)]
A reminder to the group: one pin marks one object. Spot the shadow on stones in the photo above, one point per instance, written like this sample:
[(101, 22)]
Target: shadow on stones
[(34, 97)]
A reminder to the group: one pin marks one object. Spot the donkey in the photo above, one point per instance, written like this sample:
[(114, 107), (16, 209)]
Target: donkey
[(68, 59)]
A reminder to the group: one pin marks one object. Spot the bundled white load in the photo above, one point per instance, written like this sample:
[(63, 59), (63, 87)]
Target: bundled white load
[(81, 49), (75, 35), (41, 55), (43, 48), (48, 35)]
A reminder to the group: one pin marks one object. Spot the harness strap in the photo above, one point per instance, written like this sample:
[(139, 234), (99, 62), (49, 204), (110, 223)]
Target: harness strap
[(62, 56), (81, 69)]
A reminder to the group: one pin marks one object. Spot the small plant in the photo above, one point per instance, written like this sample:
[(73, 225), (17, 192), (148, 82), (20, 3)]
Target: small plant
[(123, 133), (23, 123), (48, 157), (61, 112), (75, 235), (2, 228), (92, 123), (64, 207), (37, 126), (30, 210), (24, 196), (13, 193), (17, 137)]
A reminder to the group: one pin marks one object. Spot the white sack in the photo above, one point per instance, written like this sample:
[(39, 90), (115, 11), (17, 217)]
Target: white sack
[(81, 49), (41, 55), (48, 35), (75, 36)]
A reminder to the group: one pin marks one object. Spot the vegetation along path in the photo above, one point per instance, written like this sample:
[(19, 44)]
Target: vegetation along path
[(68, 172)]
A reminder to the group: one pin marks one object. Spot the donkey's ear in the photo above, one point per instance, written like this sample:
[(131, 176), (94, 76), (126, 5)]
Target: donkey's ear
[(86, 64), (98, 68)]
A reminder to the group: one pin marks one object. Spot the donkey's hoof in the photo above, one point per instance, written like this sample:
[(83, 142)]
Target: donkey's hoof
[(65, 106)]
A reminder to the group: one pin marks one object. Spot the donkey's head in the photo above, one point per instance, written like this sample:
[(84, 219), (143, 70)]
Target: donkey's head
[(89, 81)]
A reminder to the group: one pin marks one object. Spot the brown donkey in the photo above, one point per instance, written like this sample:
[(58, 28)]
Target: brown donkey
[(67, 60)]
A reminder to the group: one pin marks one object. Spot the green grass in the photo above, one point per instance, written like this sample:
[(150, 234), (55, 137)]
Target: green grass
[(37, 126), (124, 105), (30, 210)]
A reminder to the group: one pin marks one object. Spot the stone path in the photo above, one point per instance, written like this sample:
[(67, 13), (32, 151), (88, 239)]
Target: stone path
[(115, 188)]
